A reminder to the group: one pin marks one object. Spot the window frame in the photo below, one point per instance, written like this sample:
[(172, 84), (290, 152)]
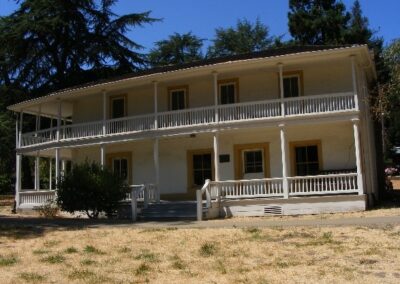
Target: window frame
[(184, 88), (190, 166), (238, 150), (290, 74), (295, 144), (244, 160), (224, 82), (117, 97), (110, 157)]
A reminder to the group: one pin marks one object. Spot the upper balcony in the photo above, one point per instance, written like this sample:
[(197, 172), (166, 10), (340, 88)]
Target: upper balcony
[(196, 118)]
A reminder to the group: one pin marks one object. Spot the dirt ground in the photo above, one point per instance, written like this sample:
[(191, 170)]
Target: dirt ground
[(128, 254)]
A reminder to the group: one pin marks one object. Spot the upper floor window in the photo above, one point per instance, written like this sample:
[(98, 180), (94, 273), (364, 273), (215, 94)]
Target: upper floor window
[(228, 91), (118, 106), (292, 84), (178, 98)]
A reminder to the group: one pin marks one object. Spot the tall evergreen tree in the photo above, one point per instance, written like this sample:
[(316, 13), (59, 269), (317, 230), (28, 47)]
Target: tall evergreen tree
[(54, 44), (177, 49), (358, 30), (244, 38), (47, 45), (317, 21)]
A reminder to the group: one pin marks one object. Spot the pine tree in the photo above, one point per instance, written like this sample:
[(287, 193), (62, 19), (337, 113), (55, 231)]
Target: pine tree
[(317, 22), (177, 49), (358, 30)]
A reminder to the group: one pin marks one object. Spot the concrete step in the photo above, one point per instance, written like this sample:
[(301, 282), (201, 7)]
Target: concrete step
[(169, 211)]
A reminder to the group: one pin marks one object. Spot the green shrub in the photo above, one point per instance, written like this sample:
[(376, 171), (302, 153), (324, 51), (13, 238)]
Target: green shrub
[(92, 189)]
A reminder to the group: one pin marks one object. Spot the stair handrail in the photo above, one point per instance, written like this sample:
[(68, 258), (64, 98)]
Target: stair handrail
[(199, 198), (135, 191)]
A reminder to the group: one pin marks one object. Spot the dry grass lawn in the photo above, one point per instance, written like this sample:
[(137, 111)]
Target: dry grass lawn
[(271, 255)]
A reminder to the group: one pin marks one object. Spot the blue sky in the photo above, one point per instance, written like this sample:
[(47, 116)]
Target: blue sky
[(203, 16)]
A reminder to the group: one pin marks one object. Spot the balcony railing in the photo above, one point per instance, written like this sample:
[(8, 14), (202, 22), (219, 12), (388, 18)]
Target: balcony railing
[(299, 106)]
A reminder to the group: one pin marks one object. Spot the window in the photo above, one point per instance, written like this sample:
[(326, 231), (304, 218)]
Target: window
[(202, 168), (178, 98), (118, 107), (227, 91), (306, 158), (291, 86), (120, 164), (120, 167), (253, 161)]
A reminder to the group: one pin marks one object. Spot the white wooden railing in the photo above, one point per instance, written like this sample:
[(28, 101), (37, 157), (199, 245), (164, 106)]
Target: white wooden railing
[(198, 116), (145, 193), (268, 187), (250, 110), (273, 188), (186, 117), (35, 198), (323, 184), (130, 124), (319, 104)]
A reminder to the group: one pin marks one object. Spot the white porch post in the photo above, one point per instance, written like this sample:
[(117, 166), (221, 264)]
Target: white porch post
[(155, 94), (282, 92), (215, 85), (354, 79), (50, 173), (216, 156), (20, 128), (156, 168), (59, 121), (104, 112), (57, 166), (37, 171), (102, 155), (357, 147), (17, 179), (37, 158), (284, 161), (63, 167)]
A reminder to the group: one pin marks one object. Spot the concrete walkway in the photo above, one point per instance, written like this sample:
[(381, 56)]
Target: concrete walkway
[(11, 221)]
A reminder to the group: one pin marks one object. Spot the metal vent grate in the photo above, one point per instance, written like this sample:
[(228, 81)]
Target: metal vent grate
[(273, 210)]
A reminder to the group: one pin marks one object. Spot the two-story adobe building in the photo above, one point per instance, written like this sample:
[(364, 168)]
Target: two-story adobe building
[(282, 131)]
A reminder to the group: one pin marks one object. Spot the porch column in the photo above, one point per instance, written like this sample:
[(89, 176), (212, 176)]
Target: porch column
[(357, 147), (104, 112), (20, 128), (354, 79), (282, 93), (37, 158), (155, 94), (37, 171), (156, 168), (50, 173), (63, 167), (17, 178), (216, 155), (215, 85), (57, 166), (102, 155), (284, 161), (59, 121)]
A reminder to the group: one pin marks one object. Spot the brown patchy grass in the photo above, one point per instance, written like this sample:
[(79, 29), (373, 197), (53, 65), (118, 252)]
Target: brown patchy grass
[(251, 255)]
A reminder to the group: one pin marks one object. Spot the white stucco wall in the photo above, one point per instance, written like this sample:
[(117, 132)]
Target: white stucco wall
[(336, 141)]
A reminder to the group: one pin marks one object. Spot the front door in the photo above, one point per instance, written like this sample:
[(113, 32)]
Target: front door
[(200, 168)]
